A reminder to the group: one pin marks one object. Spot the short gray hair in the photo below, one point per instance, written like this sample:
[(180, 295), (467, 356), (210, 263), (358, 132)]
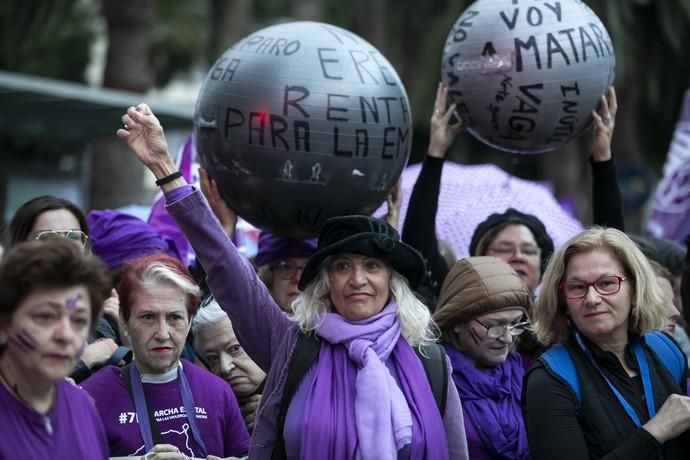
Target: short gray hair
[(208, 315)]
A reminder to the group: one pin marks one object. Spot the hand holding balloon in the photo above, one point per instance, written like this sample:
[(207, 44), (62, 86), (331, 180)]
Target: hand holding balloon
[(225, 214), (604, 121), (442, 133), (394, 202)]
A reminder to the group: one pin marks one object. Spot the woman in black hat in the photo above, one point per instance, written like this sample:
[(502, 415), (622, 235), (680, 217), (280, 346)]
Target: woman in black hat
[(364, 393)]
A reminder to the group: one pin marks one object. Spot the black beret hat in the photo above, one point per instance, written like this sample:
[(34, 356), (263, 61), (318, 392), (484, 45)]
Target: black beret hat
[(513, 216)]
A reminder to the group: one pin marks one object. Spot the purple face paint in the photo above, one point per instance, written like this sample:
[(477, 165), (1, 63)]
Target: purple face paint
[(474, 335), (24, 341), (688, 387), (71, 304), (18, 344)]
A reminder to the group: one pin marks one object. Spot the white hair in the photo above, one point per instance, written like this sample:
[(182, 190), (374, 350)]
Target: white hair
[(158, 273), (415, 318), (208, 315)]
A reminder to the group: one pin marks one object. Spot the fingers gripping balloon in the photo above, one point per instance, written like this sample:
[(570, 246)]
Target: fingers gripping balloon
[(525, 74)]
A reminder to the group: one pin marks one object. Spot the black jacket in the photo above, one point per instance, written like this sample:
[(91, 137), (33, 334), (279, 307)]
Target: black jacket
[(602, 430)]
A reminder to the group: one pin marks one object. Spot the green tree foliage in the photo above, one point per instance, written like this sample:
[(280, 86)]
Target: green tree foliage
[(180, 35), (49, 39)]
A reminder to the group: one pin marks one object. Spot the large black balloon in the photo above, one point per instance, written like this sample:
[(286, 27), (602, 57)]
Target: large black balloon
[(301, 122), (525, 76)]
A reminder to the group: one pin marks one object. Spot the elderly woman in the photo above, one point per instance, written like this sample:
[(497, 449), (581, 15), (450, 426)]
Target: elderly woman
[(50, 295), (483, 307), (160, 404), (216, 344), (364, 394), (610, 387)]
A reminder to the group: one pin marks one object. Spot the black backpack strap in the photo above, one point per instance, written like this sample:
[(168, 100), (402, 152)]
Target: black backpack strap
[(306, 350), (433, 358), (125, 375)]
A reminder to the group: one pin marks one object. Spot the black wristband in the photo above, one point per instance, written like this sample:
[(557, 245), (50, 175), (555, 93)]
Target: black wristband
[(170, 178)]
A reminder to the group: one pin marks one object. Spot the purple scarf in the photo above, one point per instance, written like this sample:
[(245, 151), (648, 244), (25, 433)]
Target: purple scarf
[(491, 399), (355, 409)]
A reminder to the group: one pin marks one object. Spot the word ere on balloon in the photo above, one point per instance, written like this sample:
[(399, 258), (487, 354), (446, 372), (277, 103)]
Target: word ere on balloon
[(291, 128)]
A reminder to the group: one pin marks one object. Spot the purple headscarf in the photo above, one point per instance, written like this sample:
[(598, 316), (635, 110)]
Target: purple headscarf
[(273, 248), (117, 237)]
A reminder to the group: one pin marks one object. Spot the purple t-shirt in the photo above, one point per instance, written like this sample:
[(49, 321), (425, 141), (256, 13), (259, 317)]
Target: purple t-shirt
[(217, 414), (70, 429)]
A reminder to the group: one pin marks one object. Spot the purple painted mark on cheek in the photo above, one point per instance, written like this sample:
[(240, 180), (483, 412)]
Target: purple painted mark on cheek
[(18, 344), (24, 341), (71, 304), (474, 335)]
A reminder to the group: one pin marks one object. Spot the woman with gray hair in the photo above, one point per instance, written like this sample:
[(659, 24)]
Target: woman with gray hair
[(610, 386), (216, 345), (364, 394)]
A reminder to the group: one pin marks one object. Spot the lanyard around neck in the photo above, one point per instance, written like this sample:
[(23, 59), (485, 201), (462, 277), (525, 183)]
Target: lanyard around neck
[(643, 367), (143, 416)]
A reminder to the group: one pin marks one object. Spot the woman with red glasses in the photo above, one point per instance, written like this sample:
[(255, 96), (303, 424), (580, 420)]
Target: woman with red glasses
[(610, 386)]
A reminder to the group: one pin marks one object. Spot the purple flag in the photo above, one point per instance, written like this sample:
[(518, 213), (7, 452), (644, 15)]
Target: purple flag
[(670, 216)]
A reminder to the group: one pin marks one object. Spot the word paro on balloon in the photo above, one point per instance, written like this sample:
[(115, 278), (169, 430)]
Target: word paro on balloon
[(300, 122), (526, 74)]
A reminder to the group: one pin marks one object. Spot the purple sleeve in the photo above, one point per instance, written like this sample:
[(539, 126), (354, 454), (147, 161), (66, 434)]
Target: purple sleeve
[(260, 324), (178, 193)]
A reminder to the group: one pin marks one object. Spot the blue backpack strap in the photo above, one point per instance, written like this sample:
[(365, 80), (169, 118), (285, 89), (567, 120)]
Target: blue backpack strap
[(557, 359), (667, 351)]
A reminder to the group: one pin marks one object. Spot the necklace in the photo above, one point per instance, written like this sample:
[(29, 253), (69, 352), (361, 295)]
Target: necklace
[(12, 387), (15, 389)]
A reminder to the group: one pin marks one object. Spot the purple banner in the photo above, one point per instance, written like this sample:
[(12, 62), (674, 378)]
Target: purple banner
[(670, 217)]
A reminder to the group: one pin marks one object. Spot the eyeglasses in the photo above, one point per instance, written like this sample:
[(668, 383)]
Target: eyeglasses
[(498, 330), (605, 285), (74, 235), (508, 250), (286, 269)]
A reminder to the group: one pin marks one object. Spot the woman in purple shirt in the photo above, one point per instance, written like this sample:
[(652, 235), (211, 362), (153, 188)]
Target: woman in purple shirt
[(51, 293), (161, 404), (366, 394)]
